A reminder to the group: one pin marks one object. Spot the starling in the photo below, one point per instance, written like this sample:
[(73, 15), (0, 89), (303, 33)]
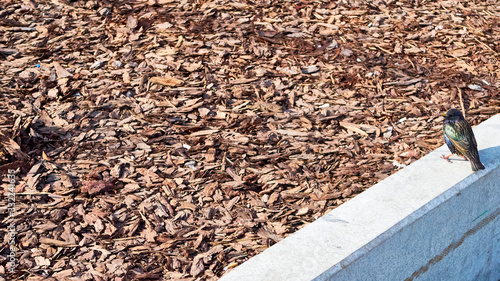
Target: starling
[(460, 138)]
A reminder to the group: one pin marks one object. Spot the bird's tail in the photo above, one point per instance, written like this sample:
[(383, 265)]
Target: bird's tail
[(473, 156), (476, 165)]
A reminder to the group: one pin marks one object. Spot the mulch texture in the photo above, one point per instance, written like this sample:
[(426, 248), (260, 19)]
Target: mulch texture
[(171, 139)]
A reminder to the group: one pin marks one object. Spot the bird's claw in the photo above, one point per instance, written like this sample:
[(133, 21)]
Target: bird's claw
[(447, 158)]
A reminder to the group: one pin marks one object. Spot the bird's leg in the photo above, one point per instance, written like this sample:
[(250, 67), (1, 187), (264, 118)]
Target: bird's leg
[(447, 158)]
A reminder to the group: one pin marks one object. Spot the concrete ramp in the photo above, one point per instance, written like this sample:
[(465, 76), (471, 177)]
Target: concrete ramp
[(432, 220)]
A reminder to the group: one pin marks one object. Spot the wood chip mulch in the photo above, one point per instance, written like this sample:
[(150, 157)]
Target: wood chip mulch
[(168, 139)]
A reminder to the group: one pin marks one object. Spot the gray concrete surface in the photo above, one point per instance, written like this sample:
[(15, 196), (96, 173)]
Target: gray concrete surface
[(433, 220)]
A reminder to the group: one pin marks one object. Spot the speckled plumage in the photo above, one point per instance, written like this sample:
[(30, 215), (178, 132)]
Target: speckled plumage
[(460, 139)]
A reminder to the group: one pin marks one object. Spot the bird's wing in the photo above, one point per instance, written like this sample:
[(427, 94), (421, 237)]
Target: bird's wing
[(470, 133), (461, 136)]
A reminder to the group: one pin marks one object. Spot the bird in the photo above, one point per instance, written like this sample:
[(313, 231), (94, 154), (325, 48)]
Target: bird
[(460, 139)]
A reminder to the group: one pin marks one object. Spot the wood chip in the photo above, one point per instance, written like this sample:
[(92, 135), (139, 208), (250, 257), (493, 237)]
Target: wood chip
[(167, 81), (353, 128)]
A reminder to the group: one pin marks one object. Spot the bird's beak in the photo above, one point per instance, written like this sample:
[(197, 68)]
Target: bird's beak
[(444, 114)]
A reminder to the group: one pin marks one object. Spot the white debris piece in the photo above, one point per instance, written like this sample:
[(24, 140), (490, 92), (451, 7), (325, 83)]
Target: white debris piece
[(475, 87), (398, 165), (190, 165), (96, 65)]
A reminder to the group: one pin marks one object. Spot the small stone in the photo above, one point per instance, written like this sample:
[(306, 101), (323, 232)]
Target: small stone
[(104, 12), (191, 165), (97, 64), (333, 45), (117, 64), (475, 87), (310, 69), (133, 65)]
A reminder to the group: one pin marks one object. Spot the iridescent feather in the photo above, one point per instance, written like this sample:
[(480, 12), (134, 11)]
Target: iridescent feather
[(460, 139)]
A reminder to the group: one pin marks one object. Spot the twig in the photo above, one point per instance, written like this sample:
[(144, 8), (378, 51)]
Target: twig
[(411, 63), (336, 53), (461, 100), (385, 50)]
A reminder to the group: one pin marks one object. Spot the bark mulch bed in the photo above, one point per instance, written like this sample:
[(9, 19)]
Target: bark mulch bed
[(170, 139)]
